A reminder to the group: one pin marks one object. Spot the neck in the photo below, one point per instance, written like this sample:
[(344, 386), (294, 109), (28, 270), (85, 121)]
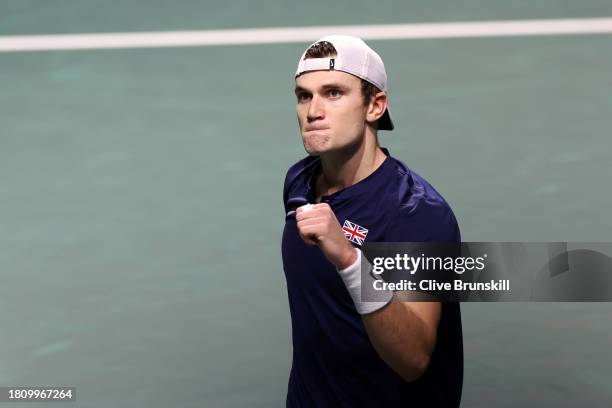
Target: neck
[(344, 168)]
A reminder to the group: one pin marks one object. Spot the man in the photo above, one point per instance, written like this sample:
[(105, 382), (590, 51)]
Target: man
[(348, 353)]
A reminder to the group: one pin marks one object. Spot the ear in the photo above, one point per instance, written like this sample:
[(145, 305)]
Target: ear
[(377, 107)]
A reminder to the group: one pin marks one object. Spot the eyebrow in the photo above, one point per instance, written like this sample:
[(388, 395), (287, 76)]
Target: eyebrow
[(325, 87), (299, 89)]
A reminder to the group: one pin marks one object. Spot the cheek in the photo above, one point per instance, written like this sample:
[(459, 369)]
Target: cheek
[(350, 107), (350, 122), (299, 118)]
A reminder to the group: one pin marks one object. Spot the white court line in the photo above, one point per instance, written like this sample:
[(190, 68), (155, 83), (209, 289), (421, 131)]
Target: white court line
[(304, 34)]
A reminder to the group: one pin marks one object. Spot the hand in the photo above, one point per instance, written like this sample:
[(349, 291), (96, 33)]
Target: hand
[(317, 225)]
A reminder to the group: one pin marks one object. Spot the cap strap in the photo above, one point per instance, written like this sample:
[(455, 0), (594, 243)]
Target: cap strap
[(316, 64)]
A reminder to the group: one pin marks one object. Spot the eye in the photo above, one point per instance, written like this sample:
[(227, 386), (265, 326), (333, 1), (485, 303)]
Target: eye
[(334, 93), (302, 96)]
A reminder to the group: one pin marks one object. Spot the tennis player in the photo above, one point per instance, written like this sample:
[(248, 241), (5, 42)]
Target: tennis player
[(349, 190)]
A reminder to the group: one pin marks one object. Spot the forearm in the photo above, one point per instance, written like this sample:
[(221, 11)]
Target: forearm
[(403, 333), (401, 338)]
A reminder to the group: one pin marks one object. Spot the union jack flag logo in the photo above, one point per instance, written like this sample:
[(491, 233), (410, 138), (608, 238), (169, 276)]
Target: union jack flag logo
[(354, 233)]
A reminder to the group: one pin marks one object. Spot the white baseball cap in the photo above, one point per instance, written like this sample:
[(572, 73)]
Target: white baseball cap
[(355, 57)]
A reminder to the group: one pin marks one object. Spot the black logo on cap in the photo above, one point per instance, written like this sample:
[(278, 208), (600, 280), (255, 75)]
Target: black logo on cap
[(331, 63)]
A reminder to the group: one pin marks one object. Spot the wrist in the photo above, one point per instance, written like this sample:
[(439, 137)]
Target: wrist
[(353, 279), (350, 257)]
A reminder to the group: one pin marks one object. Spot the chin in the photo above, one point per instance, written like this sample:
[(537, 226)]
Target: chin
[(313, 152), (316, 147)]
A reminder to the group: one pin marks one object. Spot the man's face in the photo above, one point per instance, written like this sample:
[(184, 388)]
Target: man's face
[(330, 110)]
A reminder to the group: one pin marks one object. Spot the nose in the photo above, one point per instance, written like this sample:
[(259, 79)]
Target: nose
[(315, 109)]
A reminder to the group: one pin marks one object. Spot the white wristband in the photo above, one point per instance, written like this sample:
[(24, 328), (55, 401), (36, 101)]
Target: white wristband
[(351, 276)]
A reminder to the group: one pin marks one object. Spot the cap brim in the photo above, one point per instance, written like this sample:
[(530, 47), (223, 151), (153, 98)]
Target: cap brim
[(385, 123)]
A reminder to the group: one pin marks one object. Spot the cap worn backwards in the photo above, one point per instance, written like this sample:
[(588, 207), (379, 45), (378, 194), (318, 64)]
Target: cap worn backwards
[(355, 57)]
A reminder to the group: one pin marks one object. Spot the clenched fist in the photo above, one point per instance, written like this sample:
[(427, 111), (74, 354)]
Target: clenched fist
[(317, 225)]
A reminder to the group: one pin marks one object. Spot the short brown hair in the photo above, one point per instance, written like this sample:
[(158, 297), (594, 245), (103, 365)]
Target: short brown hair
[(324, 49)]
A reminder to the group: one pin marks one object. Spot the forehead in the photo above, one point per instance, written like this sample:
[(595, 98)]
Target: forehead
[(315, 79)]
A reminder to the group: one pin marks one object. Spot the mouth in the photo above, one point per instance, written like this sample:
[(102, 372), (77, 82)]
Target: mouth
[(315, 130)]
